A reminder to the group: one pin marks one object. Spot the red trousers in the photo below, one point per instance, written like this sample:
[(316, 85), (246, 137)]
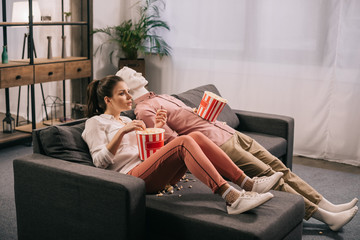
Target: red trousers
[(195, 152)]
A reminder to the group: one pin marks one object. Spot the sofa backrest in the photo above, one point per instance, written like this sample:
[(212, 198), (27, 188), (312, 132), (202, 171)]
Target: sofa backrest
[(193, 97), (65, 142)]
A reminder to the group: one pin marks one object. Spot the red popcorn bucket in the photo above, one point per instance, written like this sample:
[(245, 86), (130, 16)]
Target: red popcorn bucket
[(149, 141), (211, 106)]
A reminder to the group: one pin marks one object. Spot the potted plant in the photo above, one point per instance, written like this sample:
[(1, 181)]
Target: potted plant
[(133, 38)]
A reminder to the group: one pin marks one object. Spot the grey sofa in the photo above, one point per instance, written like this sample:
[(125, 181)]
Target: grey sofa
[(59, 194)]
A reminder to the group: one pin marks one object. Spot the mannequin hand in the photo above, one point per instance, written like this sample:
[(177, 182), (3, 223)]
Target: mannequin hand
[(133, 126), (160, 118)]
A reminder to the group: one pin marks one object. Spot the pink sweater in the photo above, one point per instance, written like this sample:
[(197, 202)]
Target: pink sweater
[(181, 118)]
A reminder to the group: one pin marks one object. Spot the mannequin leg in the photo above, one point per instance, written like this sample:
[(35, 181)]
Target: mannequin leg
[(335, 220), (328, 206)]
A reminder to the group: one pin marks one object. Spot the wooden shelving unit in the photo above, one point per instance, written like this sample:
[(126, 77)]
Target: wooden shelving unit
[(28, 72), (12, 24), (25, 62)]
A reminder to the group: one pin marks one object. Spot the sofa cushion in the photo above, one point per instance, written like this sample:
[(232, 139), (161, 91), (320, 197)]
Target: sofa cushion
[(200, 214), (65, 142), (275, 145), (193, 97)]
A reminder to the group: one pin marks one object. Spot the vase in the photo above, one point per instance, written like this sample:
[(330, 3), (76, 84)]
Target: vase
[(49, 54), (67, 18), (63, 47), (4, 55)]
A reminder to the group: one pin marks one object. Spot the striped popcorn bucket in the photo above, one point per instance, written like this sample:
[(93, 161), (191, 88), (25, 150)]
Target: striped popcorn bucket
[(210, 106), (149, 141)]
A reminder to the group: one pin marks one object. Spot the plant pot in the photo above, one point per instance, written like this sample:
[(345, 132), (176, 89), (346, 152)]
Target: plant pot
[(138, 64)]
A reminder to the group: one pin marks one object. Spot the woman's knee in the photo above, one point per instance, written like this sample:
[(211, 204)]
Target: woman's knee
[(197, 135), (186, 139)]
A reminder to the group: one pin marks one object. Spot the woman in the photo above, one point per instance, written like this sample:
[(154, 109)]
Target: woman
[(112, 142)]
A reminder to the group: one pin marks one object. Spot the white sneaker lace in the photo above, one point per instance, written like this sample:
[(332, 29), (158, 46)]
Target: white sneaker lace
[(260, 179), (246, 194)]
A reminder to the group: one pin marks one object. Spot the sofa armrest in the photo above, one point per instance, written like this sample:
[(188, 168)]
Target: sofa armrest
[(271, 124), (56, 199)]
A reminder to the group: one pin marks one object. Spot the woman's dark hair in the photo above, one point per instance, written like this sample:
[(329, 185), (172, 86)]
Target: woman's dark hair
[(97, 90)]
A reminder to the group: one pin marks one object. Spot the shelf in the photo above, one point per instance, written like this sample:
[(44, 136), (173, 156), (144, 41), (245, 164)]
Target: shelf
[(24, 62), (58, 23), (9, 138), (14, 64), (26, 24), (28, 127), (10, 24), (57, 59)]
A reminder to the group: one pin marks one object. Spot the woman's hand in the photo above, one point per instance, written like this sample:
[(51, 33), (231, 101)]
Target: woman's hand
[(114, 144), (133, 126), (160, 118)]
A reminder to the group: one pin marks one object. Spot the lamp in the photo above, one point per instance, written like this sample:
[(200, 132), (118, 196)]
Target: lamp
[(8, 124)]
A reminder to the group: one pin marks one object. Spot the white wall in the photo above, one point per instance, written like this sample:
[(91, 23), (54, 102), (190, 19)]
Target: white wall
[(104, 15), (110, 14), (114, 12)]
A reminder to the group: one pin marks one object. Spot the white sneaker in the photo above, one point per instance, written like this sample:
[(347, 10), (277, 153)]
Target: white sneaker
[(247, 201), (264, 184)]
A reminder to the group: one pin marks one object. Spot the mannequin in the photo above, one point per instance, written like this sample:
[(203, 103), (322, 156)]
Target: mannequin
[(135, 81), (334, 215)]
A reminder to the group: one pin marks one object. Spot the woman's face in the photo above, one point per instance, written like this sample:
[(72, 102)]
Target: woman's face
[(121, 99)]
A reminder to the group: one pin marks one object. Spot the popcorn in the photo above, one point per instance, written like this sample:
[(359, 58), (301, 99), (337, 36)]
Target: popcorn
[(151, 131), (149, 141), (210, 106), (169, 188)]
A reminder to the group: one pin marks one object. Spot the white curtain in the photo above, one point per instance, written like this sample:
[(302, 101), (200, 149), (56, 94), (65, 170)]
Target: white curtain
[(299, 58)]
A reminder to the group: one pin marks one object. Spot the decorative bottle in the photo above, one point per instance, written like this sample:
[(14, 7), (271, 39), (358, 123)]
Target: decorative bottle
[(63, 49), (49, 55), (4, 55)]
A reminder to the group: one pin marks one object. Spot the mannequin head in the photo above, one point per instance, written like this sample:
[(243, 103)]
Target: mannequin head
[(135, 81)]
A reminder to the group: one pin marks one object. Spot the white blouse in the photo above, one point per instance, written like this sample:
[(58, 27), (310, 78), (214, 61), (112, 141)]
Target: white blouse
[(98, 132)]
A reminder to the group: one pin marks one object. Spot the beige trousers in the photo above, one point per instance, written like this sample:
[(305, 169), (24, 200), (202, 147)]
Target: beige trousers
[(255, 160)]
